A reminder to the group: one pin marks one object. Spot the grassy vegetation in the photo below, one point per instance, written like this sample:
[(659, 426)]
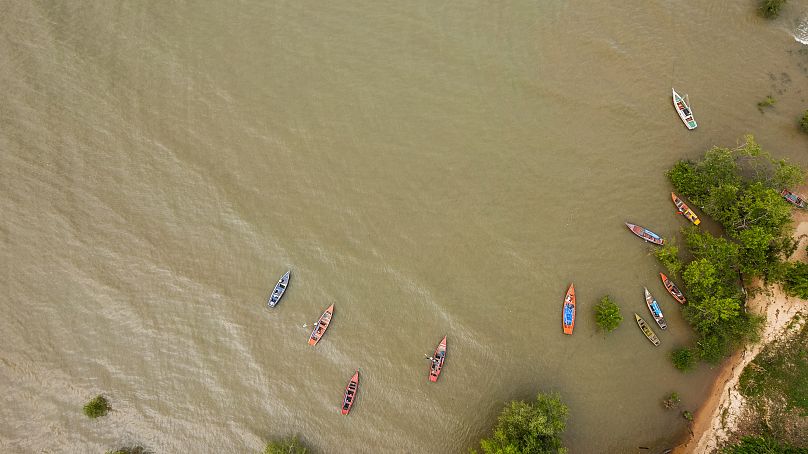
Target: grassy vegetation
[(762, 445), (739, 188), (607, 314), (129, 450), (529, 427), (771, 8), (289, 445), (96, 407), (780, 373)]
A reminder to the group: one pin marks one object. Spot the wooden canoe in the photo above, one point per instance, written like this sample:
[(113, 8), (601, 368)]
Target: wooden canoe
[(645, 234), (568, 311), (280, 289), (672, 289), (793, 198), (437, 361), (685, 210), (655, 310), (649, 333), (683, 110), (350, 393), (321, 325)]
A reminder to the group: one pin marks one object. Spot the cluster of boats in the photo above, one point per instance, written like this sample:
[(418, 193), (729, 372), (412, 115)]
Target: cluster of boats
[(568, 309), (319, 329)]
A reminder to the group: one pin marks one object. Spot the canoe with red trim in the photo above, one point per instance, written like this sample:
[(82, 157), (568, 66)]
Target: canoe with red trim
[(321, 326), (350, 393), (673, 289), (645, 234), (568, 311), (685, 210), (437, 361)]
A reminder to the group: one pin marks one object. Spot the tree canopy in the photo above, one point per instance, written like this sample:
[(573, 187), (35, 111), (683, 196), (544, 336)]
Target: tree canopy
[(607, 314), (529, 427)]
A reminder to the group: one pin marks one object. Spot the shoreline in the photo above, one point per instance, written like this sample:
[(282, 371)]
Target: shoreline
[(718, 416)]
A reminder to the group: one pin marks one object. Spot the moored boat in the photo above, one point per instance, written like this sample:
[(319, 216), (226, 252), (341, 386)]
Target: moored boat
[(437, 361), (568, 311), (321, 325), (649, 333), (685, 210), (350, 393), (280, 289), (683, 110), (672, 289), (656, 311), (645, 234), (793, 198)]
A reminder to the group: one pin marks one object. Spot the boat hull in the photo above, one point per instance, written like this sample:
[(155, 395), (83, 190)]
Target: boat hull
[(279, 290), (350, 393), (645, 234), (655, 310), (793, 198), (568, 311), (321, 326), (649, 333), (685, 210), (437, 362), (683, 110), (673, 289)]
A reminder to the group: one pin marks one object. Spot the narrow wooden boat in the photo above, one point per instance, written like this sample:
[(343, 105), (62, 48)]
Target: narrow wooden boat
[(649, 333), (350, 393), (279, 290), (437, 361), (672, 289), (645, 234), (683, 110), (793, 198), (685, 210), (321, 325), (568, 311), (656, 311)]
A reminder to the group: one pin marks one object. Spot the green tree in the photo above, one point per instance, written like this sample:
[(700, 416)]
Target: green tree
[(771, 8), (607, 314), (795, 281), (668, 256), (129, 450), (96, 407), (672, 401), (288, 445), (529, 427)]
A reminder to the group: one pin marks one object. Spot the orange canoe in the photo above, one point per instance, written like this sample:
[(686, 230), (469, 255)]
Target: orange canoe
[(350, 393), (673, 289), (685, 210), (568, 311), (437, 360), (321, 326)]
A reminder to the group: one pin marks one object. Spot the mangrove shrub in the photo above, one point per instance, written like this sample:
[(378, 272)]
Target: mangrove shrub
[(607, 314), (96, 407), (771, 8), (288, 445), (529, 427), (804, 121)]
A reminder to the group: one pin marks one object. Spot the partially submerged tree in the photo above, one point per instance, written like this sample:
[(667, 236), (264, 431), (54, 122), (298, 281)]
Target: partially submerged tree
[(607, 314), (96, 407), (529, 427), (288, 445), (771, 8)]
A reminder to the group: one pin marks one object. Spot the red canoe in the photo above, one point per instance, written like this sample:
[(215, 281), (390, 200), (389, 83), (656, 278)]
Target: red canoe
[(437, 360), (350, 393), (568, 311), (321, 326), (673, 289)]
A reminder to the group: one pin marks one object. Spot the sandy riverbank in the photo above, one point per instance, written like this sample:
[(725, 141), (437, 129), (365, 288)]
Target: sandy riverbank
[(718, 416)]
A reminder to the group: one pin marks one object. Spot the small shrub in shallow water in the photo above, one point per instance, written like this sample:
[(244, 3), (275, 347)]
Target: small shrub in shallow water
[(683, 359), (804, 122), (96, 407), (132, 450), (771, 8), (672, 401), (687, 415), (290, 445), (607, 314)]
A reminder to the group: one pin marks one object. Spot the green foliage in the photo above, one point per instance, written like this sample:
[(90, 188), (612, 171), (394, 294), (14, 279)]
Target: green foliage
[(771, 8), (795, 281), (529, 427), (804, 121), (129, 450), (672, 401), (607, 314), (780, 371), (687, 415), (768, 102), (289, 445), (683, 359), (668, 256), (761, 445), (97, 407)]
